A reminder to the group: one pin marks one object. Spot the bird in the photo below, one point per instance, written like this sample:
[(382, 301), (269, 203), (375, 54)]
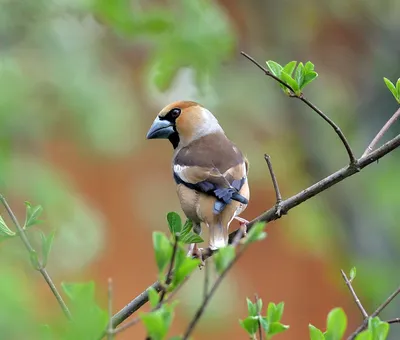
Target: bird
[(209, 170)]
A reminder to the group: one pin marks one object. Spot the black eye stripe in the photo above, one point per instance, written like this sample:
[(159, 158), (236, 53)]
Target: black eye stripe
[(172, 115), (175, 112)]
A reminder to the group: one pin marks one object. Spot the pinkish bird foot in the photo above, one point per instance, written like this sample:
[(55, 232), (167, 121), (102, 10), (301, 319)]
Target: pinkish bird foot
[(243, 224), (196, 252)]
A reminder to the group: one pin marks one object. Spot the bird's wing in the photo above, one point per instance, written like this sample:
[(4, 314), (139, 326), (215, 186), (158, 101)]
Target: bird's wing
[(219, 172)]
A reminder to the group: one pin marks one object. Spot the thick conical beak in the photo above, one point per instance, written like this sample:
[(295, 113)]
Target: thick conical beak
[(160, 129)]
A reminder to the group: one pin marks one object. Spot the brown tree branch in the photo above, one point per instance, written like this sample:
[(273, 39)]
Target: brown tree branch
[(169, 273), (384, 304), (380, 134), (364, 325), (274, 182), (270, 215), (34, 259), (395, 320), (336, 128), (206, 280), (137, 320), (260, 330), (356, 299), (135, 304)]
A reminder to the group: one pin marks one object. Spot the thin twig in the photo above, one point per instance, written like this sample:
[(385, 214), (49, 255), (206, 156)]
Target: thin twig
[(207, 298), (395, 320), (380, 134), (374, 314), (356, 299), (274, 182), (260, 331), (168, 277), (110, 330), (136, 320), (176, 290), (384, 304), (270, 215), (127, 325), (33, 254), (206, 280), (135, 304), (309, 104)]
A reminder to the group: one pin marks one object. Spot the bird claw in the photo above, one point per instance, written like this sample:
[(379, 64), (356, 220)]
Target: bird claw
[(196, 253), (243, 225)]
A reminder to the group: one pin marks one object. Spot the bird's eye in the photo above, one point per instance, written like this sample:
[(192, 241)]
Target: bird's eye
[(175, 112)]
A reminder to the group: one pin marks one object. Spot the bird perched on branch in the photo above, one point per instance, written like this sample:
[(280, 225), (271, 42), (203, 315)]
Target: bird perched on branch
[(209, 170)]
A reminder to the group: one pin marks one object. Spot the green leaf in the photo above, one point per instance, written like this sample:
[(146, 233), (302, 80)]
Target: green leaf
[(309, 67), (299, 75), (353, 273), (289, 67), (275, 312), (379, 329), (398, 90), (154, 298), (259, 304), (315, 333), (184, 266), (276, 327), (174, 222), (256, 233), (187, 227), (223, 258), (185, 269), (290, 81), (391, 88), (381, 332), (33, 257), (191, 238), (83, 292), (32, 215), (250, 324), (275, 68), (308, 78), (336, 324), (155, 325), (264, 323), (4, 230), (365, 335), (251, 308), (163, 250), (47, 242), (279, 310)]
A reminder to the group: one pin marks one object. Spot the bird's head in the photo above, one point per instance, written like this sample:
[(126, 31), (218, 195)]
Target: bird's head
[(182, 122)]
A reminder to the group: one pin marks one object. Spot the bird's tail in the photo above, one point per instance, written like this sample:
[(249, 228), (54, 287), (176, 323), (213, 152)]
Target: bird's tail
[(218, 236)]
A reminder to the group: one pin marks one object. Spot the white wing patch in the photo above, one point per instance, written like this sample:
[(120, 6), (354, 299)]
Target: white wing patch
[(179, 170)]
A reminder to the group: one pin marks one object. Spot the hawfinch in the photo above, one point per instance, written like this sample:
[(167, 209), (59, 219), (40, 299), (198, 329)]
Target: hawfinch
[(209, 170)]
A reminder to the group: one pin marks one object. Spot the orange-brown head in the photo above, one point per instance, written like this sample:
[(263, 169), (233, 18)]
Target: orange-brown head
[(182, 122)]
